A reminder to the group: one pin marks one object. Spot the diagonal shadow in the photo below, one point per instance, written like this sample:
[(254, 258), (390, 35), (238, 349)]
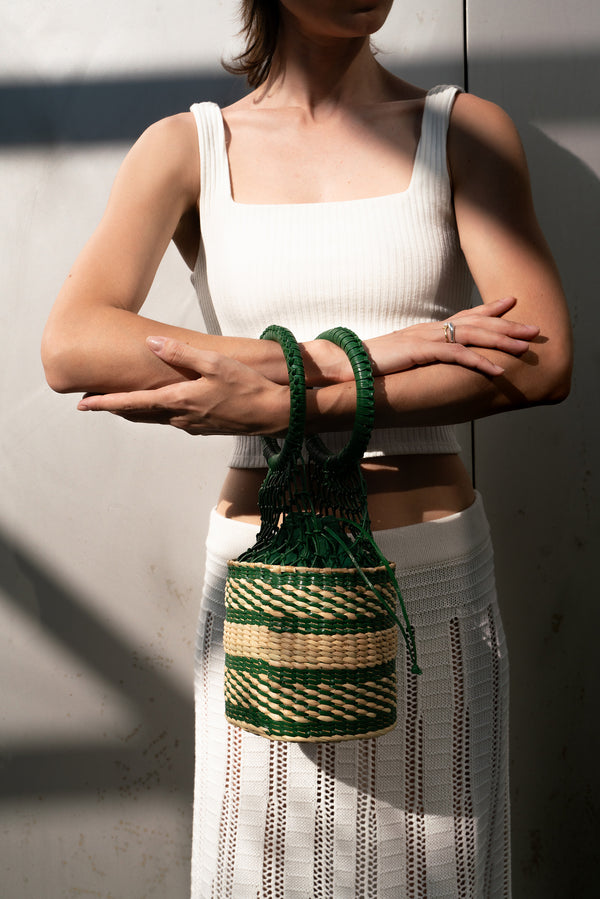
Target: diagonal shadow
[(110, 109), (119, 109), (148, 757)]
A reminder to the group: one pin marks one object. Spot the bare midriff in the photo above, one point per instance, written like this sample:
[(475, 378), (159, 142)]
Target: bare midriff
[(402, 490)]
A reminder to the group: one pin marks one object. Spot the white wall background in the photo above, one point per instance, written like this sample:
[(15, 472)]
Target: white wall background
[(102, 522)]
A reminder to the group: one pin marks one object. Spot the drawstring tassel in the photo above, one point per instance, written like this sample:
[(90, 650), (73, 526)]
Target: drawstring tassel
[(405, 629)]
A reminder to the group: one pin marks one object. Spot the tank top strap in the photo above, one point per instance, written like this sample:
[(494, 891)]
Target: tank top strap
[(431, 166), (215, 183)]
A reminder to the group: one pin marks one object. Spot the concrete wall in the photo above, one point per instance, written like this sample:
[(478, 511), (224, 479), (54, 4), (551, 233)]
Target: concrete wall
[(102, 522), (538, 469)]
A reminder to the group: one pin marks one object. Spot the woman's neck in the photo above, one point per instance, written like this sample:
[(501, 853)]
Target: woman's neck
[(321, 75)]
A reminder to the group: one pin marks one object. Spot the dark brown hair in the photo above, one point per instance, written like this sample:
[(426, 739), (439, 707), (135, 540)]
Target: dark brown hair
[(260, 27)]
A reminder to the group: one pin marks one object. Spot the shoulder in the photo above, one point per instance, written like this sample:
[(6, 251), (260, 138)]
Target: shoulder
[(167, 151), (175, 134), (473, 116), (488, 168), (482, 135)]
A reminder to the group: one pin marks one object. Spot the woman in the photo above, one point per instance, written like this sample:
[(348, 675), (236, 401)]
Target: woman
[(336, 193)]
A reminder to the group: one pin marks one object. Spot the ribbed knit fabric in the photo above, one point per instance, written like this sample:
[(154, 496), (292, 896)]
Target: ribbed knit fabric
[(419, 813), (373, 265)]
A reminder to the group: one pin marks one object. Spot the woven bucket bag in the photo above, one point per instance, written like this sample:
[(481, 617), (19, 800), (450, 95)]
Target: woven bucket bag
[(311, 628)]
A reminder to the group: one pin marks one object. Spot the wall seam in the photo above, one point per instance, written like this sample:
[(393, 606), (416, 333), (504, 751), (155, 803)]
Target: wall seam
[(465, 48), (465, 20)]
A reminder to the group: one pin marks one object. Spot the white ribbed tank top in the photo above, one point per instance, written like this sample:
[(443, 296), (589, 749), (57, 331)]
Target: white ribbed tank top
[(374, 265)]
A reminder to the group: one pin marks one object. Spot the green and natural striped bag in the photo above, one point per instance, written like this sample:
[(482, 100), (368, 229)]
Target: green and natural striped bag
[(311, 627)]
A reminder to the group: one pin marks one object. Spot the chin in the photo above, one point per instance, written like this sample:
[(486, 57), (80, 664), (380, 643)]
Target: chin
[(339, 18), (368, 15)]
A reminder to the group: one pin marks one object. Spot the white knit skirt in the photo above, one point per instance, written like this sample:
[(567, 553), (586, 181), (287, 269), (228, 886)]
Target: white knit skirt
[(419, 813)]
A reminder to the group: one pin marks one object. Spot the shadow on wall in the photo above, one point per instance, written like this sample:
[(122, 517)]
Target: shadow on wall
[(118, 109), (103, 111), (127, 769)]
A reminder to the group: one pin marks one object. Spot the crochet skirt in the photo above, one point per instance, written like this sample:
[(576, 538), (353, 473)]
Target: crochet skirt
[(421, 811)]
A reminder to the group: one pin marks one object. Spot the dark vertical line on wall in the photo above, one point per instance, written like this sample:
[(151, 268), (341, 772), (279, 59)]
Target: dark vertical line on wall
[(465, 45), (465, 24)]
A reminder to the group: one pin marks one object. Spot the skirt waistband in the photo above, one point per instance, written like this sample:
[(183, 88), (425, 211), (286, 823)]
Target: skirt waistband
[(441, 540)]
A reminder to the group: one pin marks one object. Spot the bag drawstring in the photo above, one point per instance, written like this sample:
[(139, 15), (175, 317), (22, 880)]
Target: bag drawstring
[(405, 629)]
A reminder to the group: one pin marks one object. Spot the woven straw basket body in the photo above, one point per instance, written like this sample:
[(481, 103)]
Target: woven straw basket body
[(311, 653)]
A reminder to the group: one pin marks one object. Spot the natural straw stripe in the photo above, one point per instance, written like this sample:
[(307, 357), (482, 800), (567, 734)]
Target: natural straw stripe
[(310, 650)]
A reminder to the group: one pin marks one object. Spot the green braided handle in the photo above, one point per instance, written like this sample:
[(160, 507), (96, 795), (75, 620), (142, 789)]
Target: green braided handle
[(354, 450), (278, 458)]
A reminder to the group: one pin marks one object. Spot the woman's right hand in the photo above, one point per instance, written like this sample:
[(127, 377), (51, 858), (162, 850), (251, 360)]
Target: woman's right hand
[(226, 397), (482, 327)]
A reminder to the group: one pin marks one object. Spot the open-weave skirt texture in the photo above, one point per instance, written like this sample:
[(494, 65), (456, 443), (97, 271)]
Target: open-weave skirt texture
[(419, 813)]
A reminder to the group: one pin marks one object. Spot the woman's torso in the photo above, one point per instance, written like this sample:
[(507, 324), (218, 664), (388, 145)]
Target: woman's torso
[(402, 490), (376, 155)]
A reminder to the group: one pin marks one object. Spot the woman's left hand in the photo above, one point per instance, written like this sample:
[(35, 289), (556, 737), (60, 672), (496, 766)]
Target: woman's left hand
[(227, 398)]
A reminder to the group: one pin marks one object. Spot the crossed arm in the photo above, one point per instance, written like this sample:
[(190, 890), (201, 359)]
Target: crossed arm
[(96, 342)]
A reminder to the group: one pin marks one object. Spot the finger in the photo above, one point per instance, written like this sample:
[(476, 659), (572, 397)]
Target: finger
[(172, 417), (496, 329), (457, 354), (181, 355), (493, 308), (468, 358), (146, 417), (135, 401), (505, 326), (509, 340), (469, 330)]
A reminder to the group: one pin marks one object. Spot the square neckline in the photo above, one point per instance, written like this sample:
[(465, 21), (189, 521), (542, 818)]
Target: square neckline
[(322, 203)]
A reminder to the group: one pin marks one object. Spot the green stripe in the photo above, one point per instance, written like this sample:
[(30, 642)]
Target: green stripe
[(246, 605), (293, 625), (304, 576), (311, 730), (311, 678), (349, 715)]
